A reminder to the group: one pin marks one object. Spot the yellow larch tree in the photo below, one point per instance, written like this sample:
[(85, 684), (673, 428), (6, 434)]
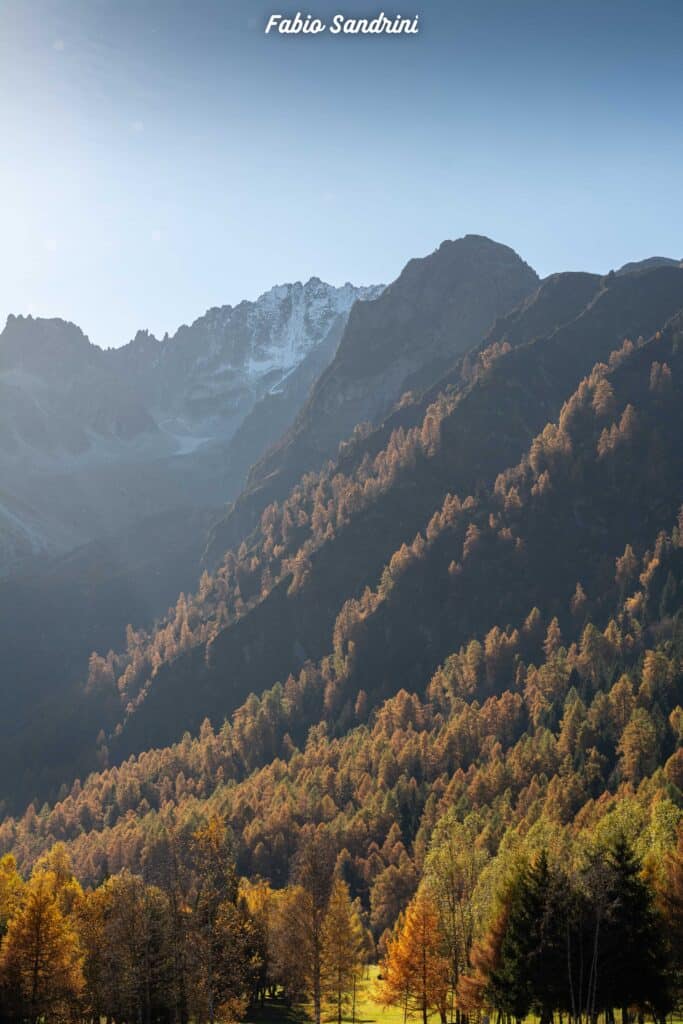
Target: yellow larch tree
[(41, 961), (11, 885), (343, 944), (416, 971)]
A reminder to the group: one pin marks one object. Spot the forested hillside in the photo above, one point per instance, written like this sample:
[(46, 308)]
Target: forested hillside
[(272, 605), (491, 747), (570, 531)]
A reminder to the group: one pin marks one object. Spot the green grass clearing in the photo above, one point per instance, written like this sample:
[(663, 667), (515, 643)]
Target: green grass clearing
[(368, 1010)]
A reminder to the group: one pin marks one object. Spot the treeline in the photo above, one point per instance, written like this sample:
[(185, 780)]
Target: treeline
[(183, 941), (577, 938), (173, 945), (318, 507), (579, 932)]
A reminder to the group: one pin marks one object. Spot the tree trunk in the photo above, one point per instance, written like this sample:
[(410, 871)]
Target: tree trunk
[(424, 983), (316, 984)]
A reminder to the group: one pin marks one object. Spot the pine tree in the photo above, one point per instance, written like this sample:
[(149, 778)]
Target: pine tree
[(632, 957), (512, 979)]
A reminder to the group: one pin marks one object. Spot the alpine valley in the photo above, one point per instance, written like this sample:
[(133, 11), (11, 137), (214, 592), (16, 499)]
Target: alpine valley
[(379, 590)]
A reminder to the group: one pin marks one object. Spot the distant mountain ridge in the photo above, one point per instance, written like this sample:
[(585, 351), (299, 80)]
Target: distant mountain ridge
[(651, 263), (79, 420)]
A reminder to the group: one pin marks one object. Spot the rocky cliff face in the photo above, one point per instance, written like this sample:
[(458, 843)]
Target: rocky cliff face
[(205, 379), (439, 307)]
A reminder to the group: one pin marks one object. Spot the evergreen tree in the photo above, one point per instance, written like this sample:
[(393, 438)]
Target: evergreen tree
[(512, 979), (630, 962)]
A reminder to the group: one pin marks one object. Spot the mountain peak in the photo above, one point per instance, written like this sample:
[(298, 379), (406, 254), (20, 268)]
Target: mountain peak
[(444, 301), (440, 305), (651, 263), (40, 346)]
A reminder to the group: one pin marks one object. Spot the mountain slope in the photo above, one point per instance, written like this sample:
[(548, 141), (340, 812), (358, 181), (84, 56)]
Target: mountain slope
[(534, 731), (274, 604), (648, 264), (481, 430), (437, 308)]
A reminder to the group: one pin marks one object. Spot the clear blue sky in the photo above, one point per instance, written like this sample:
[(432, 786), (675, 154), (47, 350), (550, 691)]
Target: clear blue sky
[(158, 157)]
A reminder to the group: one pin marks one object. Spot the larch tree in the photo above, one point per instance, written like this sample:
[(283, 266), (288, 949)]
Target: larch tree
[(312, 871), (216, 886), (93, 914), (41, 960), (416, 971), (11, 885), (235, 964), (638, 746), (476, 988), (166, 865), (137, 948), (343, 944), (671, 903), (258, 900), (57, 868), (289, 961)]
